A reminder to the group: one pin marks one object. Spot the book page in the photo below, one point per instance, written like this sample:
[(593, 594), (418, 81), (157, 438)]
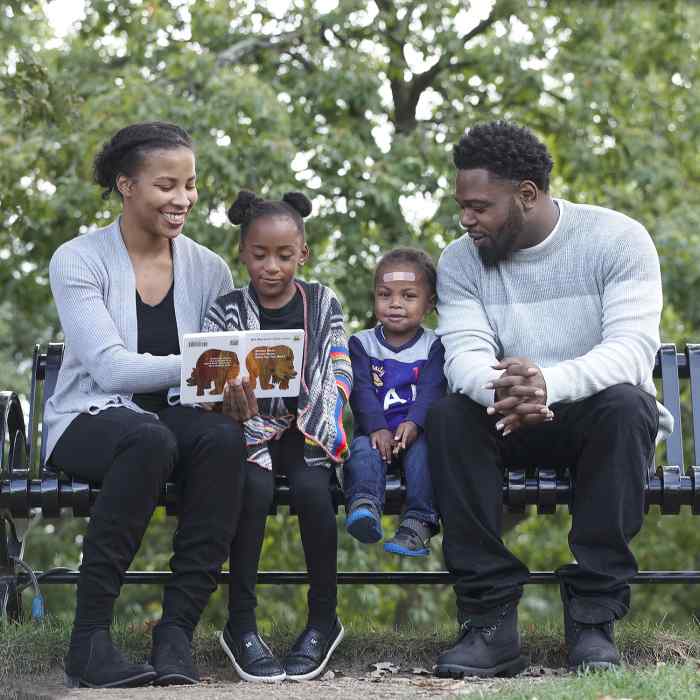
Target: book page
[(272, 360)]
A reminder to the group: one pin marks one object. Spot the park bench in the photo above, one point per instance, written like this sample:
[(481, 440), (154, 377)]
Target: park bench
[(28, 486)]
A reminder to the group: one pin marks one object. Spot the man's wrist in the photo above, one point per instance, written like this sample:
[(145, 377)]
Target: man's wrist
[(554, 382)]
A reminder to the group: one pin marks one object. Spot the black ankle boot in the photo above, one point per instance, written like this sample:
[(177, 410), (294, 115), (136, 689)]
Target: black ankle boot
[(588, 629), (172, 657), (491, 649), (97, 663)]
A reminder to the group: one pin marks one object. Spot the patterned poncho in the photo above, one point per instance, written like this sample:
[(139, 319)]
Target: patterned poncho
[(326, 376)]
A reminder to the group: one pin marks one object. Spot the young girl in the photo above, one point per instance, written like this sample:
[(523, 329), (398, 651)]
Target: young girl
[(398, 373), (301, 437)]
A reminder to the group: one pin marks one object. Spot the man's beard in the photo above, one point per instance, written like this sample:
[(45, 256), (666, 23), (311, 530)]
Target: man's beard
[(504, 240)]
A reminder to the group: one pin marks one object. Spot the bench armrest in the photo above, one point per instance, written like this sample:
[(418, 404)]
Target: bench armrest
[(13, 459)]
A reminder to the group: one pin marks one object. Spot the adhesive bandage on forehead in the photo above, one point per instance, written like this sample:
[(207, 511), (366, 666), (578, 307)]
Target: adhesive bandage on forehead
[(399, 277)]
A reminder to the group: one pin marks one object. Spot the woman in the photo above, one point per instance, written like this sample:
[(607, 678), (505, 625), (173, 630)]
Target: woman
[(125, 295)]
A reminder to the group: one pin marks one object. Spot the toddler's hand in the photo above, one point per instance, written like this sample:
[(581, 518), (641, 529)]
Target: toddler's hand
[(382, 440), (405, 436)]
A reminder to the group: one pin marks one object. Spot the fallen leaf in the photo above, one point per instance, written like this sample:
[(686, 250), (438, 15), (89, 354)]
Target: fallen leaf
[(384, 666), (420, 671)]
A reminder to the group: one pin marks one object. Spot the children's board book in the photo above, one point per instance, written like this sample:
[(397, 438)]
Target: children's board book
[(272, 360)]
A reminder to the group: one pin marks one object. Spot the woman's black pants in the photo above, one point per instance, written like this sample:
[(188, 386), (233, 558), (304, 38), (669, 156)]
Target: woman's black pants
[(131, 455), (607, 442)]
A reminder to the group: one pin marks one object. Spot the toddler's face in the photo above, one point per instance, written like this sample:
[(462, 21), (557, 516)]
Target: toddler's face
[(402, 298)]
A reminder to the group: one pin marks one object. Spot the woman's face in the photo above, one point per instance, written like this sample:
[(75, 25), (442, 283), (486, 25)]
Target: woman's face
[(159, 197)]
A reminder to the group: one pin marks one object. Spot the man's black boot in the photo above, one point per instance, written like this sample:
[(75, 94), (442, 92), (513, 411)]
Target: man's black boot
[(486, 649), (588, 629), (172, 656), (96, 663)]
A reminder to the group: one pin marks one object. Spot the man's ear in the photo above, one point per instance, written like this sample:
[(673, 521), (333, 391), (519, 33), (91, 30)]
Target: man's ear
[(528, 194)]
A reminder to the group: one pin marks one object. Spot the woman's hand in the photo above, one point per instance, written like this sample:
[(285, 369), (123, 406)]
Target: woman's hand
[(239, 400)]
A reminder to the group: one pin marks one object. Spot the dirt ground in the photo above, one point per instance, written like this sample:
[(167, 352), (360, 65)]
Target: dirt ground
[(383, 680)]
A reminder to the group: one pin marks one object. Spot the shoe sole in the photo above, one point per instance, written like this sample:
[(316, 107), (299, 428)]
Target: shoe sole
[(247, 676), (175, 679), (506, 669), (362, 525), (318, 671), (140, 679), (395, 549), (593, 666)]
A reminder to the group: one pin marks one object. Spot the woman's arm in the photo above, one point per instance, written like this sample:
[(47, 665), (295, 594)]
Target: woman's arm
[(78, 287)]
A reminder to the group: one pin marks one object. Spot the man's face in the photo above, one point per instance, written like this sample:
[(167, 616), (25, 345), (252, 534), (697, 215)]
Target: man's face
[(491, 214)]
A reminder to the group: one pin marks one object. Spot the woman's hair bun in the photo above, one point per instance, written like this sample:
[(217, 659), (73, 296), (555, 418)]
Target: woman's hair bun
[(299, 202), (240, 209)]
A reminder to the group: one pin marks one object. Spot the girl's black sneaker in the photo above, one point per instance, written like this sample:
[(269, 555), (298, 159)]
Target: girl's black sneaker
[(251, 657), (311, 652)]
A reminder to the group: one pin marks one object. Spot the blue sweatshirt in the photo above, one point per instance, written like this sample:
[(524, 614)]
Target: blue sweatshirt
[(393, 385)]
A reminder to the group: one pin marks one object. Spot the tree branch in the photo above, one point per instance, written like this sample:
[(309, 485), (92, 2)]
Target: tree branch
[(406, 95), (234, 54)]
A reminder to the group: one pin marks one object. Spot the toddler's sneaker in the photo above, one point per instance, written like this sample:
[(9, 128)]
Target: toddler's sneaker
[(364, 522), (412, 539)]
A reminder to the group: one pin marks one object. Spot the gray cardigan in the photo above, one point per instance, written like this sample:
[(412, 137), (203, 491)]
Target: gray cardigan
[(93, 285)]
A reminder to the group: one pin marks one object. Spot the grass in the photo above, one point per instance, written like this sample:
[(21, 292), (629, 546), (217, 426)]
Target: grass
[(660, 682), (662, 661)]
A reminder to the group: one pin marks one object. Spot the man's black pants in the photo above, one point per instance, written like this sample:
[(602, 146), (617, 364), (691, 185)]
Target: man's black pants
[(607, 442)]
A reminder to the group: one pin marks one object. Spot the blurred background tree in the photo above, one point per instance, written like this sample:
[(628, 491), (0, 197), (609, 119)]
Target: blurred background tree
[(358, 104)]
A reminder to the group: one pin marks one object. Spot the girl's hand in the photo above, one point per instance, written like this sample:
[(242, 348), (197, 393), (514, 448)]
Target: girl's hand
[(239, 400), (405, 436), (382, 440)]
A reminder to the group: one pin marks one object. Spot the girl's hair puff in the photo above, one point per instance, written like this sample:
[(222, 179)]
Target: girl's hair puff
[(248, 207), (124, 153)]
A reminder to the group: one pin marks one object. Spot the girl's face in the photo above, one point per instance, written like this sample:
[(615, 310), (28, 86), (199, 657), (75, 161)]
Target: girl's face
[(401, 301), (159, 197), (272, 248)]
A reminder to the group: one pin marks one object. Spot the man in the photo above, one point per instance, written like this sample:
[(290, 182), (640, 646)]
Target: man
[(549, 314)]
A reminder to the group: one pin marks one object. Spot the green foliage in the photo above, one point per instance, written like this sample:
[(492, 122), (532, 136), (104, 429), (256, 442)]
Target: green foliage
[(358, 106)]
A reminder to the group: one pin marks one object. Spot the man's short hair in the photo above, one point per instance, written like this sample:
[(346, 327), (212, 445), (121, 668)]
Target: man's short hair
[(506, 150)]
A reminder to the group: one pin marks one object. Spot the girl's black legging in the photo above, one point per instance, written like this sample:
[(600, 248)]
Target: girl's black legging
[(311, 498), (132, 455)]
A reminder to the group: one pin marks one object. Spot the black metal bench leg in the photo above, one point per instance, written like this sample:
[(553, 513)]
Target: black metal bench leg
[(10, 597)]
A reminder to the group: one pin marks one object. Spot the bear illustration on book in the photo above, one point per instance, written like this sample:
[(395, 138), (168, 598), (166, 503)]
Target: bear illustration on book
[(274, 365), (217, 366)]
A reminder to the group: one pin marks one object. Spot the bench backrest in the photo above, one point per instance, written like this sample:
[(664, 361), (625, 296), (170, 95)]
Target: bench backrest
[(670, 366)]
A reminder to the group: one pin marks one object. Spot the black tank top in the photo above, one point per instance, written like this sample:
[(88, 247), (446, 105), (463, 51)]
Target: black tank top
[(157, 335)]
